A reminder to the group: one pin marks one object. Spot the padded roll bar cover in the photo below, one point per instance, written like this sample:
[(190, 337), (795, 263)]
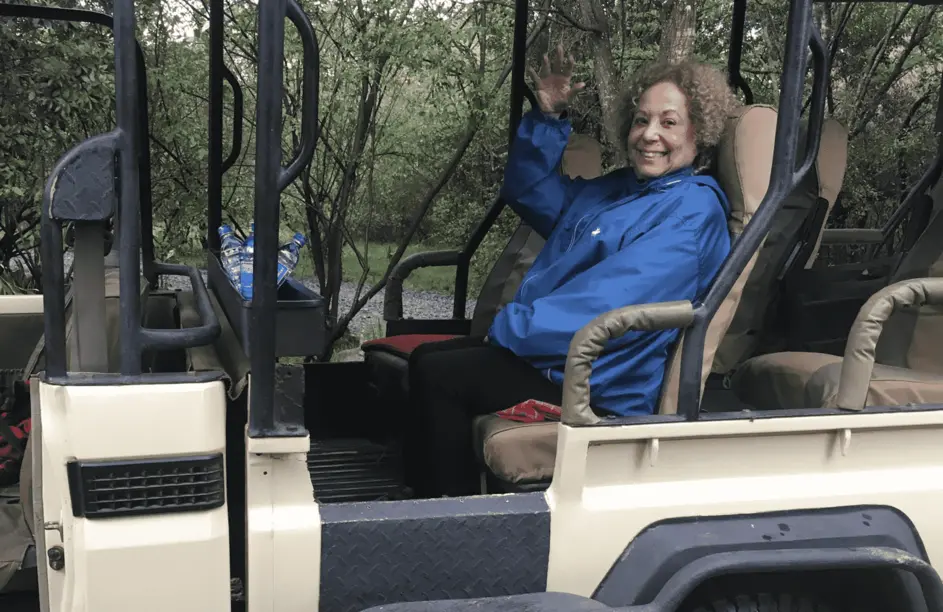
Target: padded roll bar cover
[(858, 362), (83, 187), (590, 341)]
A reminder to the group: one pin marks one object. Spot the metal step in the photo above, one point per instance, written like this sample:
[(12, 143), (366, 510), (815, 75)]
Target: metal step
[(347, 470)]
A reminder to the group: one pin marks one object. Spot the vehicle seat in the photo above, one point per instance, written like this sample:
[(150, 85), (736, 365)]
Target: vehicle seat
[(908, 363), (388, 357), (792, 242), (520, 456)]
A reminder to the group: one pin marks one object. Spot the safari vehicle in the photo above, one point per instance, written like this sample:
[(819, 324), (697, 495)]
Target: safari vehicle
[(261, 503)]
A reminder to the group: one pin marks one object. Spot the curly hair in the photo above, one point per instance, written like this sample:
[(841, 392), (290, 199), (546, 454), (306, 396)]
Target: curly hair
[(710, 101)]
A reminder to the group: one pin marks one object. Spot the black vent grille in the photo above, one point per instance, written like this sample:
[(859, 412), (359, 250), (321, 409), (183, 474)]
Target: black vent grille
[(134, 488)]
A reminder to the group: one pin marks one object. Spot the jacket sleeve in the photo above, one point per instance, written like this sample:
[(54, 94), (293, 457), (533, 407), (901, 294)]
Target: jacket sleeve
[(663, 264), (533, 185)]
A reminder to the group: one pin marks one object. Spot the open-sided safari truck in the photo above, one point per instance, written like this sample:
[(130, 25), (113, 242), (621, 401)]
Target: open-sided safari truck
[(797, 482)]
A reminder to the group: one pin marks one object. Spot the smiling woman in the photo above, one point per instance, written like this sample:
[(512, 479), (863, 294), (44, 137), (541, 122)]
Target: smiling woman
[(655, 231), (677, 111)]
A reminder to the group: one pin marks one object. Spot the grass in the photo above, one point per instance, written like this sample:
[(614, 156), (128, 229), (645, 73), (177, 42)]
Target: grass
[(439, 280)]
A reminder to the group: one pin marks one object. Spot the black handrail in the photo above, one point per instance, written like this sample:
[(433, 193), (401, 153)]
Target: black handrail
[(214, 179), (519, 91), (217, 167), (238, 111), (263, 421), (309, 95), (205, 333), (801, 32), (50, 249), (735, 50)]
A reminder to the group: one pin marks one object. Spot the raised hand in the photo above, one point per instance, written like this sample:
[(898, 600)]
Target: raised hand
[(553, 89)]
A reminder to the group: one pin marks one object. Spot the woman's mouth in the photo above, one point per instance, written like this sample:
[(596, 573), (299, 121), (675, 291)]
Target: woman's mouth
[(651, 155)]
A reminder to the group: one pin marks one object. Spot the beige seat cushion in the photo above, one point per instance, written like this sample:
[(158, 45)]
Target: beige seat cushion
[(779, 380), (908, 368), (518, 453), (810, 380)]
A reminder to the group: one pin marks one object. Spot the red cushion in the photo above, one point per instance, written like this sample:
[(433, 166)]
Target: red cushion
[(403, 344), (531, 411)]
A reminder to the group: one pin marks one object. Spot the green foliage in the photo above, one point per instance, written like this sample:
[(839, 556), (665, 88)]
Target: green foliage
[(402, 85)]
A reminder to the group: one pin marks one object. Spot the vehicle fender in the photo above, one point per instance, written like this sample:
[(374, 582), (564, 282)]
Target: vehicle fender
[(666, 547)]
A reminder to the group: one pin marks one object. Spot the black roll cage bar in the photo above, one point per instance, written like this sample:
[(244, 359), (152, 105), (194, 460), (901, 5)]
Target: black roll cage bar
[(149, 261), (266, 419)]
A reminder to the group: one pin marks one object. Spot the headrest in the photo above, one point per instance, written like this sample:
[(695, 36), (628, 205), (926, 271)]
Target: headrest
[(745, 161), (832, 161), (582, 157)]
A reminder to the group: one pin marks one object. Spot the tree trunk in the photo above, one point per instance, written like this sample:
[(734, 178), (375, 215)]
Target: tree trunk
[(607, 82), (677, 39)]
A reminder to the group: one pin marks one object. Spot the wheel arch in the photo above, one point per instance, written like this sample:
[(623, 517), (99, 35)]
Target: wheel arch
[(667, 548)]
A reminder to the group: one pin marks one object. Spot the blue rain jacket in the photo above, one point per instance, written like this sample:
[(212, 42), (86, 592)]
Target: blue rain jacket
[(612, 241)]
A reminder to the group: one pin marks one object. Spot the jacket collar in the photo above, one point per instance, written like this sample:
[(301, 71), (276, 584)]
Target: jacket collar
[(659, 182)]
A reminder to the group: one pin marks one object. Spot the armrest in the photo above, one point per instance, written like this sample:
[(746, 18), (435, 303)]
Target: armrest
[(852, 236), (589, 342), (393, 296), (858, 361)]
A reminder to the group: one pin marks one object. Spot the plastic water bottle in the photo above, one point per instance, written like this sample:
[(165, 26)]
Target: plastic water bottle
[(245, 276), (230, 254), (288, 257)]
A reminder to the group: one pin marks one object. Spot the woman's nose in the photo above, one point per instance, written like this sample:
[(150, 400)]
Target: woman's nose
[(650, 133)]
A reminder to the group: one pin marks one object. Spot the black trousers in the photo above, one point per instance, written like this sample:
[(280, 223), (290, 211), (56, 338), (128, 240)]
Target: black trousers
[(450, 383)]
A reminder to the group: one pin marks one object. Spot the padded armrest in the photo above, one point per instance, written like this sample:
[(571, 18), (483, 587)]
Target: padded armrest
[(852, 236), (858, 362), (589, 342), (393, 296)]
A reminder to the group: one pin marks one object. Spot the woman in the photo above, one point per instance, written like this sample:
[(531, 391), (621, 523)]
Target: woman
[(655, 231)]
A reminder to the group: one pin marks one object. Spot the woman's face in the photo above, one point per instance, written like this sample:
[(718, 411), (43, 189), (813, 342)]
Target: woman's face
[(662, 137)]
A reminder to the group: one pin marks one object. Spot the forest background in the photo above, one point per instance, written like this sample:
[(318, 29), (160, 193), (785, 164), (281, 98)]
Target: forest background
[(413, 118)]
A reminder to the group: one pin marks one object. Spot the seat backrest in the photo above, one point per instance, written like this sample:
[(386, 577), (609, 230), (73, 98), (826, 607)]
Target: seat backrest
[(581, 158), (743, 167), (830, 166), (791, 230), (912, 338)]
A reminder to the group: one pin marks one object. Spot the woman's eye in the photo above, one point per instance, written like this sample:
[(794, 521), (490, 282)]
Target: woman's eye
[(639, 121), (671, 123)]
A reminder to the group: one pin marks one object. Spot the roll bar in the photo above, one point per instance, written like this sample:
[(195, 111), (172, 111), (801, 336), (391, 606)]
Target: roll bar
[(735, 51), (801, 32), (90, 197), (60, 207), (266, 419)]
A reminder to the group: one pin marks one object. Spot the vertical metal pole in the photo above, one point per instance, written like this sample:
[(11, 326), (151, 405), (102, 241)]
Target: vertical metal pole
[(214, 181), (147, 204), (268, 153), (129, 214), (518, 64)]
